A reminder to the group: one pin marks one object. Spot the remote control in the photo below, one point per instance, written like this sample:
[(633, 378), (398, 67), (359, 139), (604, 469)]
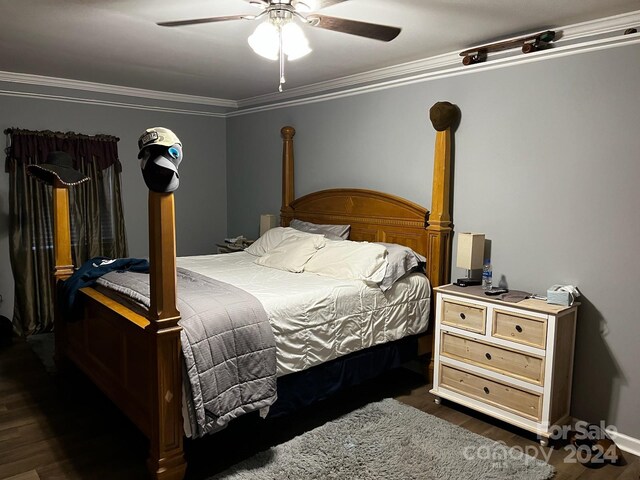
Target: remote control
[(496, 291)]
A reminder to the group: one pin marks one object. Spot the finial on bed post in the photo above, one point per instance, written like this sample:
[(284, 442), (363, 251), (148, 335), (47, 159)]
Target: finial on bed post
[(444, 116), (288, 190)]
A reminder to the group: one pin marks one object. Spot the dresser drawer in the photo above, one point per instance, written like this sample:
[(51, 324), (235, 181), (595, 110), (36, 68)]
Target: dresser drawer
[(464, 315), (519, 328), (520, 365), (495, 393)]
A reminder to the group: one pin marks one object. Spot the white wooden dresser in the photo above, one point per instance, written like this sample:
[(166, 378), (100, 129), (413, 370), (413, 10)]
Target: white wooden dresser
[(513, 361)]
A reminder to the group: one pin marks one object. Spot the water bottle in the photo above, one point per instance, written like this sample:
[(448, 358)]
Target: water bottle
[(486, 275)]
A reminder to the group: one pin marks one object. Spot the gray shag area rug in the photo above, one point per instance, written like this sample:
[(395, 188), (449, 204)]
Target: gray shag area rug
[(392, 441)]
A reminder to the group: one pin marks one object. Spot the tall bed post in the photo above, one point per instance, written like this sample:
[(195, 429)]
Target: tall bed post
[(288, 190), (63, 264), (440, 216), (63, 268), (443, 116), (166, 459)]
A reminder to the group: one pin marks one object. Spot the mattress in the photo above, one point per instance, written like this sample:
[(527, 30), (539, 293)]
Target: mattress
[(316, 318)]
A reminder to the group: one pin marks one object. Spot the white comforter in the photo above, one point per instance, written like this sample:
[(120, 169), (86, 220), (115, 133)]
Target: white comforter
[(315, 318)]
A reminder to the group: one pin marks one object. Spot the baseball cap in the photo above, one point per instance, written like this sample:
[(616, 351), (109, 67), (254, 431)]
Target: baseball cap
[(160, 136)]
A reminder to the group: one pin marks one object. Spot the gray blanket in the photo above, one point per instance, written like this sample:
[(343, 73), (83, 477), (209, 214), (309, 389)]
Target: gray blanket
[(227, 341)]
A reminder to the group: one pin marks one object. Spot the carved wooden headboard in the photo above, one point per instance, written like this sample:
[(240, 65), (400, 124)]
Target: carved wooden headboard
[(379, 217), (373, 216)]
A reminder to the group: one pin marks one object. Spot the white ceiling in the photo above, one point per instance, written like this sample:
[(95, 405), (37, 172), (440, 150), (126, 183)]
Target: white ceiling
[(117, 42)]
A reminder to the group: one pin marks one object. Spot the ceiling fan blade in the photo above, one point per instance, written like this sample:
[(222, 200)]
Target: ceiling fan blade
[(383, 33), (179, 23)]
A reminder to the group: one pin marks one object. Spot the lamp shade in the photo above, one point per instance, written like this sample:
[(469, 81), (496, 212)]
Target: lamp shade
[(294, 43), (267, 222), (265, 41), (470, 250)]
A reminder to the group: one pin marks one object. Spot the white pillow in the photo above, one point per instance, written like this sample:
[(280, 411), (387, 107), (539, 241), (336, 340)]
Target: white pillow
[(271, 239), (350, 260), (292, 253), (402, 260)]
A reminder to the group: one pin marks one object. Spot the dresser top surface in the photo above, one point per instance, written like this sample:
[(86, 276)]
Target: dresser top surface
[(477, 293)]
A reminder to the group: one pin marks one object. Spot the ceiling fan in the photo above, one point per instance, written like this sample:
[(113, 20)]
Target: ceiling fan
[(279, 34)]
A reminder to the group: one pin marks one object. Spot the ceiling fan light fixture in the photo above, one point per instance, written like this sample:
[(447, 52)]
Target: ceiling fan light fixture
[(294, 43), (281, 37), (265, 40)]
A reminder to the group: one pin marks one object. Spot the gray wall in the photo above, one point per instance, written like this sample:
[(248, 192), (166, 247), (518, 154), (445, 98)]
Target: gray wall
[(201, 209), (546, 164)]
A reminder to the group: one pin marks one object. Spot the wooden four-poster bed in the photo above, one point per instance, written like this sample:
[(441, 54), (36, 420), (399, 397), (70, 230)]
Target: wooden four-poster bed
[(136, 359)]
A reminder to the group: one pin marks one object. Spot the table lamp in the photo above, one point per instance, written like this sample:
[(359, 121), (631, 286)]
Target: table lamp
[(267, 222), (470, 256)]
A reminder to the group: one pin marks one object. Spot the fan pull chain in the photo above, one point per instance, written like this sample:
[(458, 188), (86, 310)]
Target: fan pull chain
[(281, 55)]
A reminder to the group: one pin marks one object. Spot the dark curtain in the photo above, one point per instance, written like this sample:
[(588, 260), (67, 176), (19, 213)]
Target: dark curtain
[(97, 223)]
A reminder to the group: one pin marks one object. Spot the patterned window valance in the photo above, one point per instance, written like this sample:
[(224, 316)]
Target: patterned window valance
[(32, 147)]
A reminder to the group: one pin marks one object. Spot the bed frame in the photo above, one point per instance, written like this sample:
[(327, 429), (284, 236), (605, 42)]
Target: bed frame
[(136, 360)]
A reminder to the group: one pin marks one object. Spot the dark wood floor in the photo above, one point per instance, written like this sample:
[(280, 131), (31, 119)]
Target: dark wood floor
[(52, 428)]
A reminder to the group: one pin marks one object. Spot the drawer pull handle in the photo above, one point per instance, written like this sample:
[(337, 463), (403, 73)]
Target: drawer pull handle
[(518, 328), (488, 355), (486, 390), (463, 316)]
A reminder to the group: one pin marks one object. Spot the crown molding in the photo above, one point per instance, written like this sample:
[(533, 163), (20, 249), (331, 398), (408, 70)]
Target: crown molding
[(43, 81), (108, 103), (423, 67), (458, 69), (374, 76), (601, 26)]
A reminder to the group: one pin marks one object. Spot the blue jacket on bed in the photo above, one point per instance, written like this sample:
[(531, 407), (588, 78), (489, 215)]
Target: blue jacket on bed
[(89, 272)]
